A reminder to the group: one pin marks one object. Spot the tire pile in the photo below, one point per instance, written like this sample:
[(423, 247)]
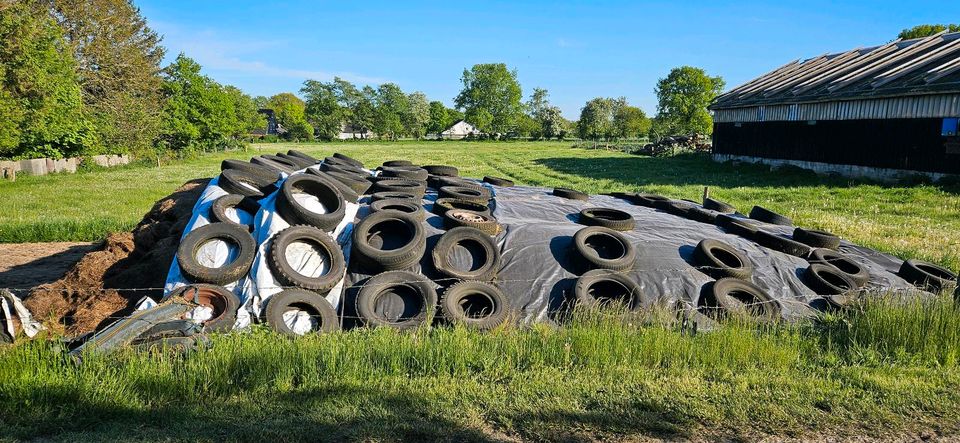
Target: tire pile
[(426, 246)]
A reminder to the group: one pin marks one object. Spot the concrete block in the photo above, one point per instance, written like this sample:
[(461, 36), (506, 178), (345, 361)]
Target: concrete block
[(70, 164), (51, 165), (125, 159), (34, 166), (101, 160), (8, 165)]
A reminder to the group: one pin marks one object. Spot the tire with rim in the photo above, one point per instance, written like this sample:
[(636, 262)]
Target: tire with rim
[(222, 206), (230, 233), (462, 237), (347, 159), (264, 173), (288, 274), (570, 194), (733, 295), (737, 226), (486, 223), (304, 305), (296, 214), (474, 304), (816, 238), (842, 263), (394, 195), (497, 181), (719, 206), (720, 260), (236, 181), (765, 215), (401, 185), (609, 218), (411, 207), (389, 240), (602, 287), (222, 303), (442, 205), (604, 248), (782, 244), (377, 300), (481, 196), (928, 276), (442, 170)]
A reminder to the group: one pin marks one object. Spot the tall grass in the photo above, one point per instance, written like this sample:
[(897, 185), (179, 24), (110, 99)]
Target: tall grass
[(886, 362)]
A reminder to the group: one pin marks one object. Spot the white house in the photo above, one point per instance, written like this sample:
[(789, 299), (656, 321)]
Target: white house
[(348, 132), (459, 130)]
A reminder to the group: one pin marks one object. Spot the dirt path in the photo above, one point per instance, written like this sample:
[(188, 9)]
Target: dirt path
[(25, 265)]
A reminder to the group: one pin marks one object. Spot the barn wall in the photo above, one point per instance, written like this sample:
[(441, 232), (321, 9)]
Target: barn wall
[(909, 144)]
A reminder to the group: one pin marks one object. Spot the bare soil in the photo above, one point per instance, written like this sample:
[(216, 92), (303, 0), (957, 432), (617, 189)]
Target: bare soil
[(113, 275), (26, 265)]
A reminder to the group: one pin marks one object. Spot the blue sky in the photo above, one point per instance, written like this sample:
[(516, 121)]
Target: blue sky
[(576, 50)]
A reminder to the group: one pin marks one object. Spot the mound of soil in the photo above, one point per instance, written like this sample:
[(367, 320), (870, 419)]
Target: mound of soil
[(124, 268)]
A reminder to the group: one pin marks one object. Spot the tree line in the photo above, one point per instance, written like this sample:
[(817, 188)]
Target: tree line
[(80, 77)]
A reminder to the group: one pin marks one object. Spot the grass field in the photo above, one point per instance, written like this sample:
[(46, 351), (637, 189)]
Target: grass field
[(910, 221), (884, 370)]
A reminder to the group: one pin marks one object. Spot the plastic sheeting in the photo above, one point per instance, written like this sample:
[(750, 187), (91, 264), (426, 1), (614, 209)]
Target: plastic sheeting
[(256, 288), (538, 268)]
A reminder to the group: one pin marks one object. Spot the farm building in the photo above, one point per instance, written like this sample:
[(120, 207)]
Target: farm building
[(349, 132), (459, 130), (880, 112)]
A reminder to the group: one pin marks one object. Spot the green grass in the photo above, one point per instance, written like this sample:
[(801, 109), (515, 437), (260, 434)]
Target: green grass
[(921, 221), (887, 368), (599, 377)]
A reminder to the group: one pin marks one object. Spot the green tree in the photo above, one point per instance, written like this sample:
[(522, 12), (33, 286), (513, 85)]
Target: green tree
[(552, 123), (596, 119), (41, 105), (438, 118), (491, 97), (322, 108), (630, 121), (199, 113), (290, 112), (926, 31), (683, 96), (118, 64), (417, 115), (391, 105)]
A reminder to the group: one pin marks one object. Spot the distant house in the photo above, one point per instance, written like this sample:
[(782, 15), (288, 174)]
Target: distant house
[(459, 130), (272, 127), (349, 132)]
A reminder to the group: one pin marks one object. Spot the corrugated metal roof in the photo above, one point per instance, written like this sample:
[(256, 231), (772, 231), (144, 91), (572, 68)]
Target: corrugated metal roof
[(929, 65)]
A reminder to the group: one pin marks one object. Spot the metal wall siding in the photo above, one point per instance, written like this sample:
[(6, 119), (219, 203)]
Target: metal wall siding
[(924, 106)]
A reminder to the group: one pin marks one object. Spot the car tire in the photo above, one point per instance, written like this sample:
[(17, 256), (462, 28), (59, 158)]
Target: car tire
[(234, 234), (720, 260), (313, 304), (570, 194), (842, 263), (296, 214), (474, 304), (441, 253), (602, 287), (603, 248), (719, 206), (737, 226), (497, 181), (609, 218), (816, 238), (927, 276), (442, 170), (403, 285), (411, 207), (481, 196), (442, 205), (222, 302), (347, 159), (486, 223), (377, 227), (401, 185), (286, 273), (765, 215), (782, 244), (727, 294)]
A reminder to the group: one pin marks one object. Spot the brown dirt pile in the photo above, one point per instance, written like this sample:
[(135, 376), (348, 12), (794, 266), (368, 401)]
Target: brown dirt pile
[(109, 280)]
